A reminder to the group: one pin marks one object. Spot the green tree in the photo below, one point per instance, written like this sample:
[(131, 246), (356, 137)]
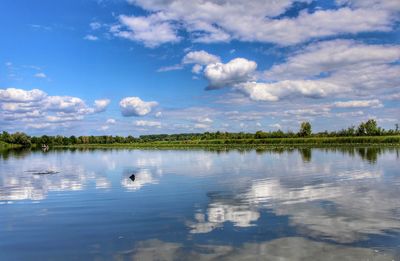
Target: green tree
[(361, 130), (22, 139), (305, 129), (5, 136), (73, 140), (261, 135), (371, 128)]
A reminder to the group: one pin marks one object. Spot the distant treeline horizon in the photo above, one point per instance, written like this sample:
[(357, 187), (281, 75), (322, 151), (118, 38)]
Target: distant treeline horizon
[(368, 128)]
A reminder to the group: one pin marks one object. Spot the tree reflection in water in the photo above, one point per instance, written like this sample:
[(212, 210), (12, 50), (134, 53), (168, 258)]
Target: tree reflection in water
[(290, 248)]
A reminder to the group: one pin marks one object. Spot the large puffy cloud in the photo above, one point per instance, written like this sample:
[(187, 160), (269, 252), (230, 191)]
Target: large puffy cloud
[(331, 56), (218, 21), (68, 104), (276, 91), (361, 69), (134, 106), (19, 95), (235, 71), (199, 59), (152, 30), (319, 70), (65, 104), (28, 106)]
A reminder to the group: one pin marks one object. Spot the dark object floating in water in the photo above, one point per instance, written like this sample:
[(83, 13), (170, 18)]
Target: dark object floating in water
[(42, 172), (47, 172), (132, 177)]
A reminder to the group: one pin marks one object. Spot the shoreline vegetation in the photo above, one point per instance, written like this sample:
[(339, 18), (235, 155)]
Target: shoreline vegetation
[(4, 145), (366, 134), (271, 142)]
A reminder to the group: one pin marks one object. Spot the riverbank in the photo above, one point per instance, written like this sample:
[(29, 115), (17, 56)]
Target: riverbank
[(4, 145), (271, 142)]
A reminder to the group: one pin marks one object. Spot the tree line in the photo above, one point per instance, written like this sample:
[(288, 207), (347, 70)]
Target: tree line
[(368, 128)]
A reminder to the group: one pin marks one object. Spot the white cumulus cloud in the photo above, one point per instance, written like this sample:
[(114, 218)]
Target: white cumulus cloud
[(320, 70), (235, 71), (28, 107), (200, 57), (19, 95), (134, 106), (101, 105), (151, 30), (65, 104), (283, 89)]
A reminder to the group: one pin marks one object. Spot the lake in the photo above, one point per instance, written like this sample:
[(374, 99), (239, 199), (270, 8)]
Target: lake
[(282, 204)]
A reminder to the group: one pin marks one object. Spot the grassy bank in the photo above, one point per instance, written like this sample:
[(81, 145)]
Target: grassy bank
[(271, 142), (4, 145)]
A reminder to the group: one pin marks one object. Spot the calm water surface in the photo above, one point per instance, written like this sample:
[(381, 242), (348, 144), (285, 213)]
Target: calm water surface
[(319, 204)]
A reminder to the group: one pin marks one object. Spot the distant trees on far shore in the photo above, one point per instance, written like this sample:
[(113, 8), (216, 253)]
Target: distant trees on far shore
[(16, 138), (368, 128)]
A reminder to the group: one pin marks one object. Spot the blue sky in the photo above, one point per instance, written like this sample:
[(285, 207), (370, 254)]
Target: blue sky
[(173, 66)]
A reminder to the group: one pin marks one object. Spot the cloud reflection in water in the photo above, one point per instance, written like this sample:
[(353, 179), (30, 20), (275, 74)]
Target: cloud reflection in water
[(283, 249), (345, 209), (336, 197)]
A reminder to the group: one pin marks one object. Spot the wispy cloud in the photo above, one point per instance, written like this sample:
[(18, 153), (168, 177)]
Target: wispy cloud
[(40, 75), (170, 68), (91, 37)]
